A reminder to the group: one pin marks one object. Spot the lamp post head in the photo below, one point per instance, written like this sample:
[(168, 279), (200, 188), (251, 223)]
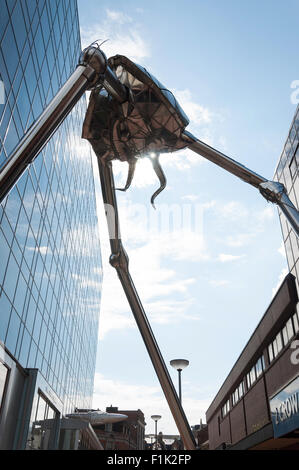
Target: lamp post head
[(179, 364), (156, 417)]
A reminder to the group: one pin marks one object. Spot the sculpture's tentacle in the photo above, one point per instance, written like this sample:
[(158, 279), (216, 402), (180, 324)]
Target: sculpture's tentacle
[(162, 178), (132, 165)]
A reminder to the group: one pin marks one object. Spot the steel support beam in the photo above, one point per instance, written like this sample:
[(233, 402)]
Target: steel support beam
[(272, 191)]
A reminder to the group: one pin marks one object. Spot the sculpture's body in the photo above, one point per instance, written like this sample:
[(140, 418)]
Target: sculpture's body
[(150, 122)]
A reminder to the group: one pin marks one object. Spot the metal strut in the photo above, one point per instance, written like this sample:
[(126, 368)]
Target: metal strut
[(272, 191), (120, 261)]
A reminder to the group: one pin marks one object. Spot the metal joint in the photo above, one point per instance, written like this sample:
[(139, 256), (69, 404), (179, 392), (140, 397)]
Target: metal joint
[(272, 191), (96, 59), (119, 260), (89, 73)]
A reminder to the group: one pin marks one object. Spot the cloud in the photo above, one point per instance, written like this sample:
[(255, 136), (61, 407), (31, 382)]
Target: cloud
[(78, 149), (165, 293), (118, 16), (282, 250), (246, 222), (123, 37), (219, 283), (86, 281), (190, 197), (240, 239), (224, 258), (42, 249), (281, 277), (203, 122), (182, 159), (147, 398), (233, 210), (266, 214), (167, 232), (144, 174), (77, 241), (197, 113)]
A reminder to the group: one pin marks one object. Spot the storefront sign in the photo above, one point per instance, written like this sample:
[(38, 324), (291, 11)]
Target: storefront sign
[(285, 409)]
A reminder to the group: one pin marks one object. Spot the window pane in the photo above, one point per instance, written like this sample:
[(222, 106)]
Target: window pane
[(235, 397), (3, 377), (252, 375), (275, 349), (38, 429), (11, 277), (296, 323), (10, 48), (19, 26), (259, 367), (13, 330), (279, 342), (290, 328), (293, 167), (5, 309), (285, 336), (248, 380)]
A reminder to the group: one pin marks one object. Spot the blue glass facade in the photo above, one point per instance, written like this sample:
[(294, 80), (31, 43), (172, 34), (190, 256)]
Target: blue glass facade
[(50, 262)]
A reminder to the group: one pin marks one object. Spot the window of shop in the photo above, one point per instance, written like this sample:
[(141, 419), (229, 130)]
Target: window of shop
[(283, 337), (255, 372), (259, 366), (225, 409), (238, 393), (270, 352)]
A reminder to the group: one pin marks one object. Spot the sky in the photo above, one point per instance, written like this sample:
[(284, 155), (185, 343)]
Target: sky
[(208, 261)]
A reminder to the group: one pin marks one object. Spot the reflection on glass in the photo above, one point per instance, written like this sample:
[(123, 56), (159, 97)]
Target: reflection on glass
[(43, 426), (49, 244)]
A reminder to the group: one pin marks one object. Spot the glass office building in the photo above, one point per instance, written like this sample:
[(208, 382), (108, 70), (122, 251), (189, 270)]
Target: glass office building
[(50, 263), (287, 173)]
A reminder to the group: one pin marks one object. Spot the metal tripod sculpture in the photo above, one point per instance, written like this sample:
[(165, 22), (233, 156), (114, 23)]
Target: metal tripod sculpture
[(130, 115)]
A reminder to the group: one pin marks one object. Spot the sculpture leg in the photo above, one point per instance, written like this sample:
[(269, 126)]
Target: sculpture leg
[(272, 191), (119, 260)]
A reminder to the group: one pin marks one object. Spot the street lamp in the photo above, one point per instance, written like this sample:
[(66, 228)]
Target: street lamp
[(179, 365), (156, 419)]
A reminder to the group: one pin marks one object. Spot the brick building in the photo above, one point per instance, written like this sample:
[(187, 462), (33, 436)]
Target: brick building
[(124, 435), (248, 411)]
